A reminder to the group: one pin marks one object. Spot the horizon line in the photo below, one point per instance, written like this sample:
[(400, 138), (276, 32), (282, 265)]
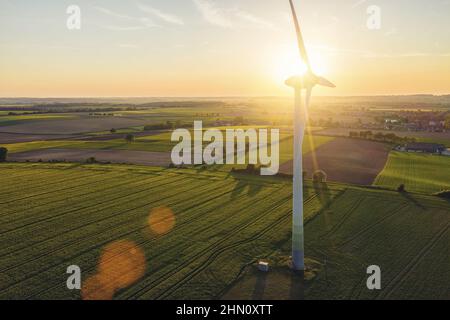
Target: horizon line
[(224, 96)]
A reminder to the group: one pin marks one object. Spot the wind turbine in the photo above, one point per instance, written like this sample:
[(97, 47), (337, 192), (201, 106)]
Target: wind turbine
[(303, 82)]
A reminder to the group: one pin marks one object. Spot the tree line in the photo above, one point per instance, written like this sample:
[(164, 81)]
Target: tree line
[(379, 136)]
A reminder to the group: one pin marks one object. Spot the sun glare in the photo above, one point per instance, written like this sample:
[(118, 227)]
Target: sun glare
[(288, 63)]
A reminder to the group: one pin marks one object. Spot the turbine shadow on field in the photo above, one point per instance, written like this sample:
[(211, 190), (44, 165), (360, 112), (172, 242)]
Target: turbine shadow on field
[(73, 166), (411, 199), (260, 286), (296, 290), (242, 186), (323, 192)]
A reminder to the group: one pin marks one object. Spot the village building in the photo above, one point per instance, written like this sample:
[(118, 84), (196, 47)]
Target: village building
[(425, 147)]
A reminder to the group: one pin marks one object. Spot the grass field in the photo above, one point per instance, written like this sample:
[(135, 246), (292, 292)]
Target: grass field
[(407, 236), (53, 216), (66, 214), (424, 173), (155, 144)]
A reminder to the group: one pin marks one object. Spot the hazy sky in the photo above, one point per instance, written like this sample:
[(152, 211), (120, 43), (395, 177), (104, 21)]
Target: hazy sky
[(220, 47)]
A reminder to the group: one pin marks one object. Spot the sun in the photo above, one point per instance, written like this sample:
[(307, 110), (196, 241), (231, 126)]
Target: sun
[(288, 63)]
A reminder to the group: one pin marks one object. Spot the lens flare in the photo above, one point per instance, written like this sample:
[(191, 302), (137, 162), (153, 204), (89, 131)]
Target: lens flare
[(97, 288), (161, 220), (121, 264)]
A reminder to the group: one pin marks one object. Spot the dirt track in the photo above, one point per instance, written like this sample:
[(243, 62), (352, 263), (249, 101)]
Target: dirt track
[(73, 126), (77, 155), (346, 160)]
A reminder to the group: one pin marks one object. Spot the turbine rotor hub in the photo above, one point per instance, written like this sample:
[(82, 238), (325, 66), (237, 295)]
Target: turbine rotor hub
[(306, 81)]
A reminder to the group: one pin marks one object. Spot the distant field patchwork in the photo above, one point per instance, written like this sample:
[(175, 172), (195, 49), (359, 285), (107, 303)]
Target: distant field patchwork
[(68, 126), (158, 142), (7, 120), (419, 172)]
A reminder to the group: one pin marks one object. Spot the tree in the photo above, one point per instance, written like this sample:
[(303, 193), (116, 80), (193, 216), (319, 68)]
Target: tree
[(129, 138), (3, 154), (251, 168), (319, 176), (170, 125), (447, 122), (91, 160), (443, 194), (379, 136)]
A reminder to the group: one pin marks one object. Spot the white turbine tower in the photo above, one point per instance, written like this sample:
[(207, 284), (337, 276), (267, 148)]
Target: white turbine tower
[(299, 83)]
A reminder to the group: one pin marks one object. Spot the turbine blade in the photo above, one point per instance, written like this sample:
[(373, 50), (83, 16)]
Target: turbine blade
[(324, 82), (301, 43)]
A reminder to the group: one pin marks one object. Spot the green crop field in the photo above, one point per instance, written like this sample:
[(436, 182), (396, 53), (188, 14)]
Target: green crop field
[(423, 173), (407, 236), (159, 143), (60, 215), (54, 216)]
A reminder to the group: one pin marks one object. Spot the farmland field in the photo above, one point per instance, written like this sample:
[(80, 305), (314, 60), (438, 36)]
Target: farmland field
[(27, 119), (159, 142), (160, 159), (420, 136), (419, 172), (407, 236), (215, 225), (66, 214), (143, 231), (70, 126), (344, 160)]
